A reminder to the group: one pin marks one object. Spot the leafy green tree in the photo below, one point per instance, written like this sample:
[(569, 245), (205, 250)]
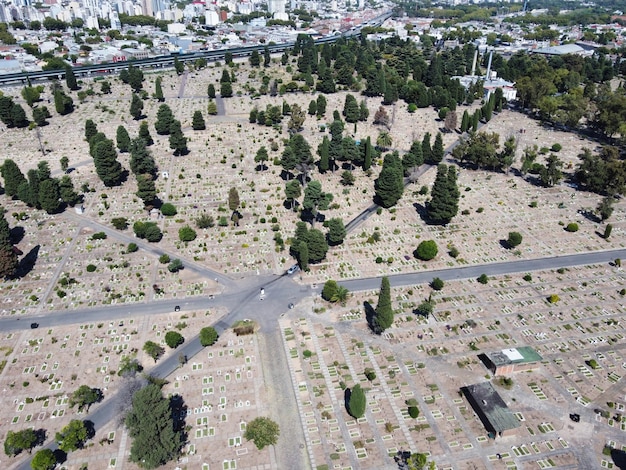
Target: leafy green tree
[(211, 91), (321, 105), (13, 177), (186, 234), (73, 436), (336, 231), (158, 90), (197, 122), (123, 139), (156, 436), (436, 284), (44, 459), (383, 315), (85, 396), (296, 119), (90, 129), (351, 109), (233, 199), (208, 336), (384, 140), (226, 90), (136, 107), (105, 87), (40, 115), (164, 121), (261, 157), (211, 108), (153, 350), (262, 431), (312, 108), (357, 402), (443, 205), (550, 173), (605, 207), (18, 116), (178, 66), (174, 339), (426, 250), (70, 79), (135, 78), (17, 441), (175, 265), (514, 239), (293, 190), (31, 94), (389, 186), (108, 168)]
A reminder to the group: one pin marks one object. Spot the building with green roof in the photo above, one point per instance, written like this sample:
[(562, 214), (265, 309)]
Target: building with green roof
[(509, 361), (497, 418)]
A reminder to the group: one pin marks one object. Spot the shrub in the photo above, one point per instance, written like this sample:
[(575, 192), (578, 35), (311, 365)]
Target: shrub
[(164, 258), (208, 336), (99, 236), (572, 227), (132, 247), (454, 252), (175, 266), (174, 339), (168, 209), (91, 268), (556, 147), (306, 353), (426, 250), (414, 411), (186, 234), (528, 277), (370, 374), (553, 299), (514, 239), (436, 284), (329, 290), (483, 279)]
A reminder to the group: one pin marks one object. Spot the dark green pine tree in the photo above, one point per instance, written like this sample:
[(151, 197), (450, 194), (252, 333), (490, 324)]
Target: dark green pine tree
[(351, 109), (40, 115), (383, 314), (70, 79), (18, 116), (211, 91), (321, 105), (63, 104), (141, 160), (426, 148), (66, 190), (178, 66), (178, 142), (226, 90), (8, 256), (312, 108), (90, 129), (325, 81), (99, 137), (465, 121), (144, 133), (122, 139), (357, 402), (437, 152), (136, 107), (255, 59), (49, 196), (444, 202), (413, 158), (13, 178), (164, 120), (158, 90), (389, 185), (197, 123), (364, 112), (391, 94), (476, 119), (108, 169)]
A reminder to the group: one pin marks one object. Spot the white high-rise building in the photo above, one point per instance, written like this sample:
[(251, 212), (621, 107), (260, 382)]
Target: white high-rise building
[(276, 6)]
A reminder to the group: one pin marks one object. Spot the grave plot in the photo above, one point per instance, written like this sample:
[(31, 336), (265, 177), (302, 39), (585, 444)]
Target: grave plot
[(222, 391)]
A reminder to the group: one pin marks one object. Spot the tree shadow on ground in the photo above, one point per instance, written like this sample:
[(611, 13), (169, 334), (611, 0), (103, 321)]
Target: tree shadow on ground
[(60, 456), (619, 458), (16, 234), (27, 263), (179, 412), (370, 315)]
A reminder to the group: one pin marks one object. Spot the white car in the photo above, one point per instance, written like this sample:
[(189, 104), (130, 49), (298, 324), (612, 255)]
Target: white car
[(293, 269)]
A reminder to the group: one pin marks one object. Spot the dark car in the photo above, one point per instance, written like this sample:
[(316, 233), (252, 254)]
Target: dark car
[(34, 325)]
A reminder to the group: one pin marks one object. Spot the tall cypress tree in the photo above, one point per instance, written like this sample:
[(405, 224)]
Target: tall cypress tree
[(158, 90), (465, 121), (383, 316), (436, 155), (49, 196), (90, 129), (389, 185), (70, 79), (426, 148), (144, 133), (367, 154), (141, 160), (444, 202), (322, 151), (8, 256), (197, 122), (136, 107), (108, 169), (178, 142), (122, 139)]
